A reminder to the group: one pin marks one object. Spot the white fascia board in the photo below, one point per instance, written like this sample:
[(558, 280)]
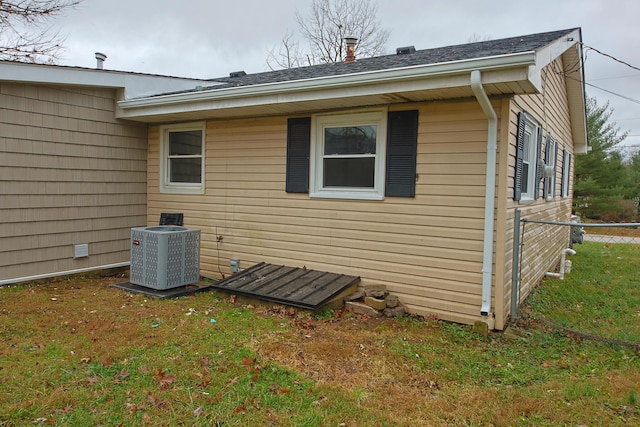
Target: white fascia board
[(568, 46), (299, 97), (135, 85), (309, 89), (550, 53)]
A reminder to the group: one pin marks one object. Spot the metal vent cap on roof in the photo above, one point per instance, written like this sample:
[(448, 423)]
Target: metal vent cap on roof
[(100, 58), (404, 50), (237, 74)]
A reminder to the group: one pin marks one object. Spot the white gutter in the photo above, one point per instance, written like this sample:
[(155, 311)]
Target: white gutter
[(490, 190), (345, 80), (63, 273)]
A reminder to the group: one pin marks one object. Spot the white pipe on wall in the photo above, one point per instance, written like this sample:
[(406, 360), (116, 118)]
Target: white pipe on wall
[(62, 273), (490, 190), (563, 258)]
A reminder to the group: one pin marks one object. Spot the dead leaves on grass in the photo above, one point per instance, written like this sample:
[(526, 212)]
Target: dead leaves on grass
[(92, 380), (163, 379)]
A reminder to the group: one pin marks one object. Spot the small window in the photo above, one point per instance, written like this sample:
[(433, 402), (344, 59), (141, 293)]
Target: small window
[(528, 169), (348, 155), (182, 159), (551, 163), (529, 160)]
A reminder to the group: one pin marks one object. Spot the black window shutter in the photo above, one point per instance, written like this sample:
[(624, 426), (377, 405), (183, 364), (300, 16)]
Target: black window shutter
[(546, 186), (566, 167), (539, 167), (298, 151), (517, 178), (402, 143)]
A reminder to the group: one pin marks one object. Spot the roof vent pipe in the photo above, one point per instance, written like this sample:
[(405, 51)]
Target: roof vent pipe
[(405, 50), (351, 49), (100, 57)]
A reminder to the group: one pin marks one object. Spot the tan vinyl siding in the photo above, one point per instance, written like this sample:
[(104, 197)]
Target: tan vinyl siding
[(427, 249), (542, 252), (70, 173)]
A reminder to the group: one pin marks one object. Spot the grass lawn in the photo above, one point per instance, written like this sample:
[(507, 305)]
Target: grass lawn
[(76, 352), (600, 297)]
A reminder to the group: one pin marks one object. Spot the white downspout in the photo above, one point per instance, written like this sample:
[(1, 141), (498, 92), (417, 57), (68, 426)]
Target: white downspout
[(490, 190)]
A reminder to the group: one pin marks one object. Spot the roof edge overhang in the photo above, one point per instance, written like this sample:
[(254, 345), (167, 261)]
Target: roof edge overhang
[(577, 96), (552, 51), (134, 84), (569, 48), (505, 68)]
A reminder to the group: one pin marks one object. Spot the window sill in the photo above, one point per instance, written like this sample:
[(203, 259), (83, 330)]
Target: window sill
[(182, 190), (345, 195), (526, 201)]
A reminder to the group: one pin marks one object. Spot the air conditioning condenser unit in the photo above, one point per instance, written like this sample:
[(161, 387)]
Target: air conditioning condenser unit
[(164, 257)]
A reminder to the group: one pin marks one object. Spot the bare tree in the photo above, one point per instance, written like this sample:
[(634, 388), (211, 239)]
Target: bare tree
[(475, 37), (325, 27), (24, 31), (287, 55)]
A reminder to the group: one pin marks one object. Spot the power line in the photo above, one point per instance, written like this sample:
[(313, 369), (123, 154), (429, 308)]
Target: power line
[(605, 90), (628, 76), (613, 93), (600, 88), (610, 56)]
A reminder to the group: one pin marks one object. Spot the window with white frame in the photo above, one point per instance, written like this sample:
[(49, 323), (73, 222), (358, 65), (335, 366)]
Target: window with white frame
[(528, 152), (551, 163), (529, 160), (348, 155), (182, 158)]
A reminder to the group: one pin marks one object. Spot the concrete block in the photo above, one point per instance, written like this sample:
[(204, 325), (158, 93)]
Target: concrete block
[(375, 293), (481, 328), (378, 304), (354, 296), (360, 308)]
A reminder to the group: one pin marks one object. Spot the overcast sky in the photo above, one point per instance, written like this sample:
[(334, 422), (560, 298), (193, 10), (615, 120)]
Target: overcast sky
[(210, 38)]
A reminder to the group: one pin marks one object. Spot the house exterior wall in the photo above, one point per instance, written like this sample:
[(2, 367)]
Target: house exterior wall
[(427, 249), (542, 250), (70, 173)]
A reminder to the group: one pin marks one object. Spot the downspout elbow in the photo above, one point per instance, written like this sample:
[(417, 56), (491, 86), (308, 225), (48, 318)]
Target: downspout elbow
[(481, 96), (490, 189)]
